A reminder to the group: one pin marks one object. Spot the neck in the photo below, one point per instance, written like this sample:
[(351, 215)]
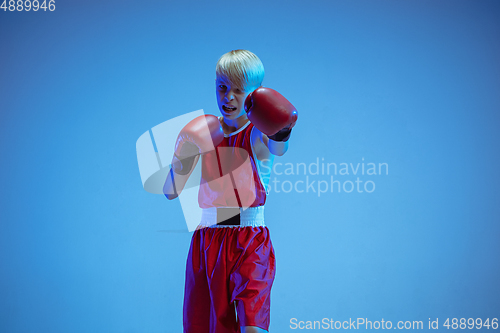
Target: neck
[(232, 125)]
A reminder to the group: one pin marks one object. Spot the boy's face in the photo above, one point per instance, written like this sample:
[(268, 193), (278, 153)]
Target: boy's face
[(231, 100)]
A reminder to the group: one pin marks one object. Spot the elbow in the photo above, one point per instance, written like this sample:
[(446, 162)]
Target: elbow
[(282, 151), (170, 196)]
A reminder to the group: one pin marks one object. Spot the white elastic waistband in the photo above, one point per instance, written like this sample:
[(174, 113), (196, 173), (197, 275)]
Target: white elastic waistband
[(249, 217)]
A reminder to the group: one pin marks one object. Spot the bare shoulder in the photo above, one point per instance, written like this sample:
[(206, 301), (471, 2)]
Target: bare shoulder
[(259, 143)]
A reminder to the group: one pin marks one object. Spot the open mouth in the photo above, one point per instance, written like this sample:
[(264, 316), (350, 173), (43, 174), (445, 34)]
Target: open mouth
[(229, 108)]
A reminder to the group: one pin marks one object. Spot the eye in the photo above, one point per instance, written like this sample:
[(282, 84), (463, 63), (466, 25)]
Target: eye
[(222, 87)]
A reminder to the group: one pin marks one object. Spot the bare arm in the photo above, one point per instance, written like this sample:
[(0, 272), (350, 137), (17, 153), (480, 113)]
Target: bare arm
[(174, 183), (264, 146)]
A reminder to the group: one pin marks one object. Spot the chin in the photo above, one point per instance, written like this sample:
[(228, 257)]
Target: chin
[(232, 116)]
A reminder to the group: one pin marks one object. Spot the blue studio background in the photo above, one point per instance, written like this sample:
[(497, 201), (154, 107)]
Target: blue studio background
[(412, 84)]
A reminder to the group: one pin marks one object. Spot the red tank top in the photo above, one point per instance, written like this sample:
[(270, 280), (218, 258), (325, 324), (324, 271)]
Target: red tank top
[(230, 177)]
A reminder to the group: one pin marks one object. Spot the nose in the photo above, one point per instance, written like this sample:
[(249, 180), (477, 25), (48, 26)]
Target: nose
[(230, 95)]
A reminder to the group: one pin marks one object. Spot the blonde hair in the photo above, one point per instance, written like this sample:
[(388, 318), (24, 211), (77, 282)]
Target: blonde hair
[(242, 68)]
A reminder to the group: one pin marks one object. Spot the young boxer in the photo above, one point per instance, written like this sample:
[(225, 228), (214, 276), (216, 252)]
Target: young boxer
[(231, 264)]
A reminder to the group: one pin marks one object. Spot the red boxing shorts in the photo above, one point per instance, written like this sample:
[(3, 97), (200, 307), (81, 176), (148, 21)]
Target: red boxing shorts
[(228, 267)]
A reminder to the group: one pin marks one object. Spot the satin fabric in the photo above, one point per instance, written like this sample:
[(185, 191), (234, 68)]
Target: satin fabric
[(228, 267), (230, 176)]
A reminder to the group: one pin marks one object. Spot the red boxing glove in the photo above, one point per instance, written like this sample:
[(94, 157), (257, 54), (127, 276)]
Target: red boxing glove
[(270, 112), (200, 135)]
